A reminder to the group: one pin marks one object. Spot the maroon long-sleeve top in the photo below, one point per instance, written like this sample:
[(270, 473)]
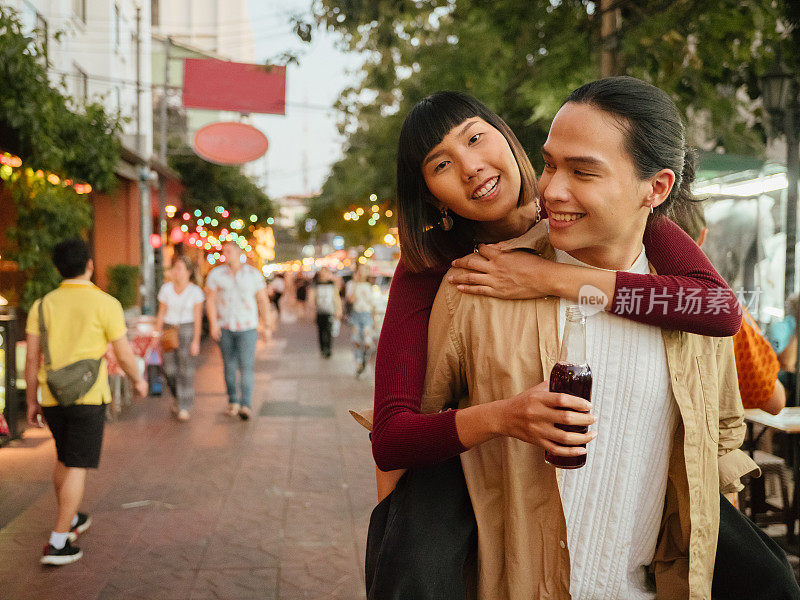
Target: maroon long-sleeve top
[(403, 437)]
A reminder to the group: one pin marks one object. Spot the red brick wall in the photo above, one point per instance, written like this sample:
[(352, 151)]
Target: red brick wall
[(115, 235), (116, 231)]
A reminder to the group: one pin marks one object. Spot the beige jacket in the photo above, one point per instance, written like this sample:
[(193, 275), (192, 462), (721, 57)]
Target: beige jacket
[(490, 349)]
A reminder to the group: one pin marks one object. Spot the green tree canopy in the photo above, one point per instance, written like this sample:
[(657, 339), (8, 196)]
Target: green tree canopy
[(209, 185), (45, 127), (522, 58), (54, 133)]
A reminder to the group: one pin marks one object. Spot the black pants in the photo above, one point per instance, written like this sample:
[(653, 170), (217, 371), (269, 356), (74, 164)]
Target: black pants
[(788, 379), (324, 330), (422, 539), (275, 299), (750, 565)]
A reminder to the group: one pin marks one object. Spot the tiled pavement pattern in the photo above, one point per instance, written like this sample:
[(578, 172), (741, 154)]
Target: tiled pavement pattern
[(276, 507)]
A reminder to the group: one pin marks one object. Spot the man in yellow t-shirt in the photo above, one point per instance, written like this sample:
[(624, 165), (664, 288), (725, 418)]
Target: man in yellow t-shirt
[(80, 320)]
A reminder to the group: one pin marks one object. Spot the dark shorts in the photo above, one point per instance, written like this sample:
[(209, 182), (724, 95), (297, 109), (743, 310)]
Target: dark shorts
[(78, 432)]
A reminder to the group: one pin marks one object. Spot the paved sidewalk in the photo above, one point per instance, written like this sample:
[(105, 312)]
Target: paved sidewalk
[(276, 507)]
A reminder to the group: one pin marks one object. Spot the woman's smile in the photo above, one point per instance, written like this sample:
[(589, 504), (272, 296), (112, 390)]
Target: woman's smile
[(487, 189)]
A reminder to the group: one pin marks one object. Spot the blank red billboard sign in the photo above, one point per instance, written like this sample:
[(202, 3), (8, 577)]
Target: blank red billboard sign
[(241, 87)]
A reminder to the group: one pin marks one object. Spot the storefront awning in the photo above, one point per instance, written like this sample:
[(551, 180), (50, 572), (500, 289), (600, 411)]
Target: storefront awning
[(713, 164)]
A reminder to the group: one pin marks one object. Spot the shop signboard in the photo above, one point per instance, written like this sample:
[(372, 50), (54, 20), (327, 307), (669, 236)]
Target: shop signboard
[(241, 87), (230, 143)]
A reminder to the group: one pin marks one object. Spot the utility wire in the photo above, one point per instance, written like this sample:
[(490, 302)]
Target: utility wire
[(175, 88), (188, 34), (72, 17)]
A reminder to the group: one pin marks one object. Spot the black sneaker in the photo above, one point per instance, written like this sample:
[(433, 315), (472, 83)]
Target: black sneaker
[(68, 554), (84, 522), (244, 413)]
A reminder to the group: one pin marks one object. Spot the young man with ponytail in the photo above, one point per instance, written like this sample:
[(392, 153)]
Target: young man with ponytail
[(640, 520)]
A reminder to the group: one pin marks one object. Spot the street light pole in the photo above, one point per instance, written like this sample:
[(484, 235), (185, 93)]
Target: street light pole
[(162, 154), (792, 163), (792, 167), (780, 96), (148, 261), (148, 293)]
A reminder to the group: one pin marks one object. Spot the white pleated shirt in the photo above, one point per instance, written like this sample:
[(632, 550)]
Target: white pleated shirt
[(613, 505)]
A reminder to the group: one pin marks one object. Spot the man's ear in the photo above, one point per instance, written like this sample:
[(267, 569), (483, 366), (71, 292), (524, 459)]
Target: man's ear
[(660, 185)]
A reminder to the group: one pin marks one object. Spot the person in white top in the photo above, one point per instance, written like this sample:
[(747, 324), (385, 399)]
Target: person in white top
[(237, 312), (180, 307), (359, 294)]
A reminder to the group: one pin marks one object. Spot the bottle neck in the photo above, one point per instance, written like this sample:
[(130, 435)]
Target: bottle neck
[(573, 344)]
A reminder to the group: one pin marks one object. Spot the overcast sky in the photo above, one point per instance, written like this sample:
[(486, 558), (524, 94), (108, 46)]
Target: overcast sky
[(307, 133)]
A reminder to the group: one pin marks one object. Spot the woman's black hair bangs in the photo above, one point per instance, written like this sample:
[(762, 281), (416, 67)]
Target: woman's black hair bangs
[(430, 121)]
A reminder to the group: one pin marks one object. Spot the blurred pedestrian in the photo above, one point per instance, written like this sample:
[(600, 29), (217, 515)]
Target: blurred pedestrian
[(276, 289), (327, 304), (783, 339), (179, 324), (238, 311), (362, 299), (781, 333), (71, 328)]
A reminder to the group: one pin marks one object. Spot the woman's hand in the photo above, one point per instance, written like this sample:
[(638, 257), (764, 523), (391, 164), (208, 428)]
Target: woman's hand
[(194, 349), (510, 275), (531, 416)]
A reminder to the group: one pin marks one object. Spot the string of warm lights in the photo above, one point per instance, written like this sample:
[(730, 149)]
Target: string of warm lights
[(373, 212), (338, 260), (10, 164), (199, 230)]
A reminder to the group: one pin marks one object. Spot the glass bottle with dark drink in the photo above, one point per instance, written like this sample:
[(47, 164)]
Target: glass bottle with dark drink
[(572, 375)]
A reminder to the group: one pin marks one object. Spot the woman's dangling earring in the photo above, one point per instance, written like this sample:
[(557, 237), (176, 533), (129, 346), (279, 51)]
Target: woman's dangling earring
[(651, 208), (446, 222)]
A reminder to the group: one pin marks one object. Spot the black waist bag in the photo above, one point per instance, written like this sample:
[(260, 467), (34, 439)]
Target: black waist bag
[(73, 381), (422, 539)]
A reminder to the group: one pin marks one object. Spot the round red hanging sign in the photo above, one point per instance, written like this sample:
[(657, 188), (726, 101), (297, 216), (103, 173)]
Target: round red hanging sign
[(229, 143)]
